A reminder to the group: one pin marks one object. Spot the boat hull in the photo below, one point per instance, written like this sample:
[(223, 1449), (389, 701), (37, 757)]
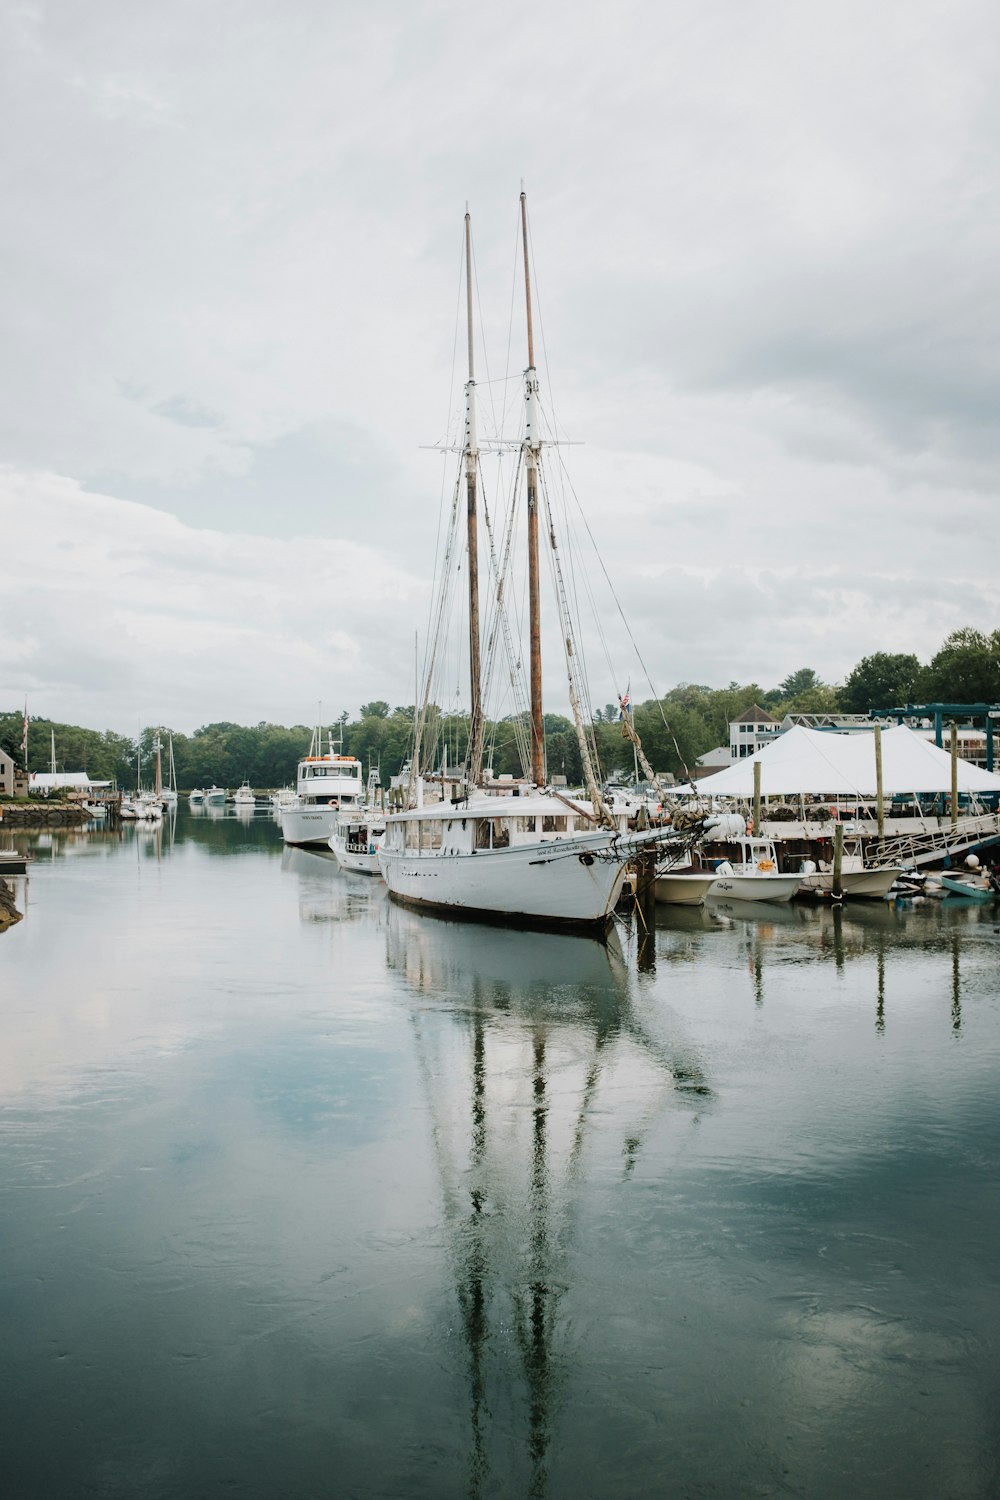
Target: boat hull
[(312, 823), (683, 888), (872, 884), (360, 864), (533, 884), (967, 889), (762, 887)]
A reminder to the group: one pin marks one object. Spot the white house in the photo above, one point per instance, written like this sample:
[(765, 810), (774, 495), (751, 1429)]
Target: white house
[(751, 731)]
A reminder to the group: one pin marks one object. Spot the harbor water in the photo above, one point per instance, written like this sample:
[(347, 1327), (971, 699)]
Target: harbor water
[(306, 1194)]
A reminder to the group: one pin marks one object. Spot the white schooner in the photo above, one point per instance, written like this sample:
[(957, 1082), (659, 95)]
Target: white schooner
[(528, 855)]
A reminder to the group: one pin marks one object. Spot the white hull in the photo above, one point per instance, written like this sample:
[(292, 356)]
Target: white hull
[(311, 823), (544, 883), (684, 887), (762, 887), (361, 864), (216, 796), (873, 884)]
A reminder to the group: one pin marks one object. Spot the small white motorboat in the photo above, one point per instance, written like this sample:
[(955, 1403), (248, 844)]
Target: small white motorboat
[(682, 884), (755, 876), (243, 796), (356, 838)]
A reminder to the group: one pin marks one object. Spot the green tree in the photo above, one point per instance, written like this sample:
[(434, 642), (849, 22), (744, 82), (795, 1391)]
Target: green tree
[(966, 669), (884, 680)]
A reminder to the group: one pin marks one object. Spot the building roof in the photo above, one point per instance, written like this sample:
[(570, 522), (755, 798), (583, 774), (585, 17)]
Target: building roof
[(754, 715), (720, 756)]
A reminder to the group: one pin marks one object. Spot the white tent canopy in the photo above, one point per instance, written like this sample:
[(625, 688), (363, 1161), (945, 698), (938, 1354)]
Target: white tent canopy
[(59, 781), (815, 762)]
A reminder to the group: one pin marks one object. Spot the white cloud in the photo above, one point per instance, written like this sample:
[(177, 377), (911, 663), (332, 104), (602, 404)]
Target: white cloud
[(765, 240)]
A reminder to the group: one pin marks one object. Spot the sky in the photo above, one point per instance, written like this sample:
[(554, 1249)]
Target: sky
[(765, 240)]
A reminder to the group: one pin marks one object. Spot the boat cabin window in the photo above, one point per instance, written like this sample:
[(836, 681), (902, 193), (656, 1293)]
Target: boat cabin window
[(482, 833), (501, 833), (551, 824), (524, 825)]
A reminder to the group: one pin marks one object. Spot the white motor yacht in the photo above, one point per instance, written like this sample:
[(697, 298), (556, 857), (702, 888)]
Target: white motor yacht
[(324, 784)]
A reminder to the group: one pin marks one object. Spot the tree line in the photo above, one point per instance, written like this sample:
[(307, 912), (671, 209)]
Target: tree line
[(675, 729)]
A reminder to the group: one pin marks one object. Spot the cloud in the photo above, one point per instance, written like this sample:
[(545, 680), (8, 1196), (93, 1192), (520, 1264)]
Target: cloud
[(764, 242), (131, 614)]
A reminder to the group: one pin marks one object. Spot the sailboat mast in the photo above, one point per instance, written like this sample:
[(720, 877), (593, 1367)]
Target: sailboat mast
[(474, 753), (53, 752), (532, 446), (159, 767)]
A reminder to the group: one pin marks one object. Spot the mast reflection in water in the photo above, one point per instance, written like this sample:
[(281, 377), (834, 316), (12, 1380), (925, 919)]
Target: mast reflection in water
[(552, 1056)]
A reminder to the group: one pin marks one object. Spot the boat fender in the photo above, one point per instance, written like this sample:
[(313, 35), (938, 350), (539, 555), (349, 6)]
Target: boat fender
[(724, 868), (807, 867)]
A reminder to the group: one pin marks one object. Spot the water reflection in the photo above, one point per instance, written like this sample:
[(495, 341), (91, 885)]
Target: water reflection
[(327, 893), (543, 1072)]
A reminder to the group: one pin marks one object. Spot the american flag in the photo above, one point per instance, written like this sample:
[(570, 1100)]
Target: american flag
[(624, 701)]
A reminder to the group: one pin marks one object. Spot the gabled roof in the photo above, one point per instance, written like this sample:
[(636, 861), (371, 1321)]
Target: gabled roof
[(755, 715)]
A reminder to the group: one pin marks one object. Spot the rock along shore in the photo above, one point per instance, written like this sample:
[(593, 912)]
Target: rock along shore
[(37, 815), (9, 913)]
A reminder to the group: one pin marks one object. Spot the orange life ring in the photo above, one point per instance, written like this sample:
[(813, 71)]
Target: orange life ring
[(765, 864)]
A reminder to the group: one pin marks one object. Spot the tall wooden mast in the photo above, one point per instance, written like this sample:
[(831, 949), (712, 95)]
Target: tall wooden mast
[(532, 446), (474, 754)]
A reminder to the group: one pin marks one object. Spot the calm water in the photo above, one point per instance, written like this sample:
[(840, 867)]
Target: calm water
[(307, 1195)]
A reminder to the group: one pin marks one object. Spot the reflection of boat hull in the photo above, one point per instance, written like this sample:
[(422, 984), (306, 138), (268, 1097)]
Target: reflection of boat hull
[(762, 887), (684, 887), (763, 911), (548, 971), (309, 823), (871, 883), (512, 885)]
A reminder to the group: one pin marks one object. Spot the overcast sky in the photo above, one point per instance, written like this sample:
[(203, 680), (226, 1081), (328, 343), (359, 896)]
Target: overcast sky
[(766, 242)]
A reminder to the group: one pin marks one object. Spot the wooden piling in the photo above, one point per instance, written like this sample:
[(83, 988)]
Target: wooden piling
[(838, 862), (954, 773), (879, 798), (756, 798)]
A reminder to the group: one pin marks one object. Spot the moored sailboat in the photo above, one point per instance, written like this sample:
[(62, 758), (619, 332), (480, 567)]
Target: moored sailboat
[(530, 856)]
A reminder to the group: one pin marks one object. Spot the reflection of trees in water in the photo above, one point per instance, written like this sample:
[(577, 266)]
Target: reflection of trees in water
[(520, 1035)]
